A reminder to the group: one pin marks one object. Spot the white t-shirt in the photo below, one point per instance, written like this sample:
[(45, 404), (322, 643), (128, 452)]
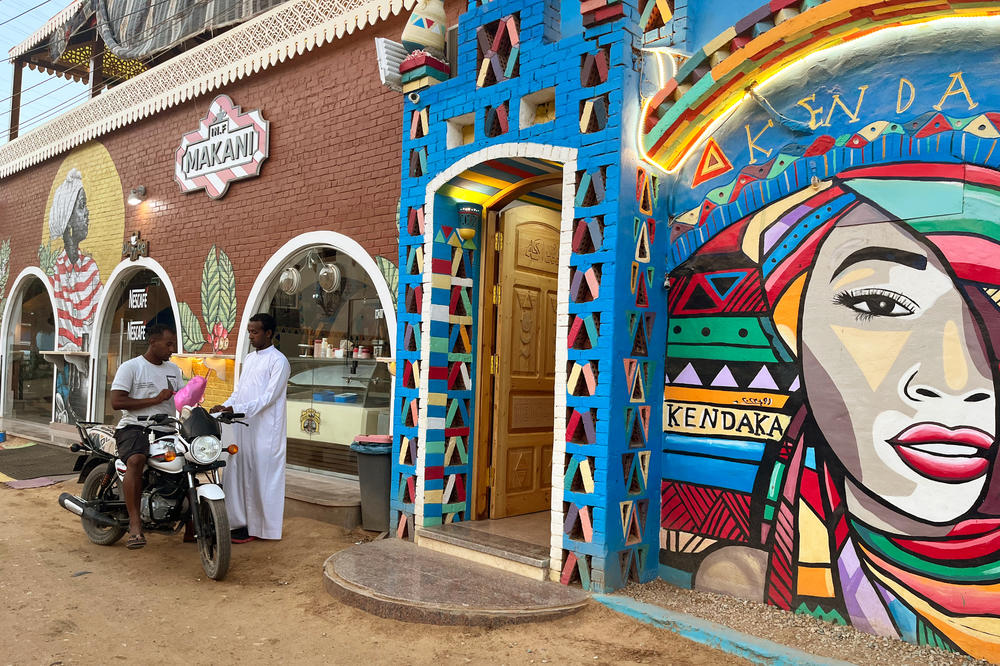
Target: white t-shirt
[(142, 379)]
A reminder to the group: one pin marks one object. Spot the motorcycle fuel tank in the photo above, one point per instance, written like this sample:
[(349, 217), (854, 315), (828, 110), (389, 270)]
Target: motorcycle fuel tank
[(161, 446)]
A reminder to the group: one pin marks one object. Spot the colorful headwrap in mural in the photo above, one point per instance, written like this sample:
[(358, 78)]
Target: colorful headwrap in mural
[(848, 334), (64, 203), (76, 278)]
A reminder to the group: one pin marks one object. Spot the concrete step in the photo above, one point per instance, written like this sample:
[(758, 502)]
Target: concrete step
[(396, 579), (59, 434), (327, 498), (501, 552)]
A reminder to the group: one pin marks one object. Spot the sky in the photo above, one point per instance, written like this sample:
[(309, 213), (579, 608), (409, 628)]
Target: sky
[(40, 103)]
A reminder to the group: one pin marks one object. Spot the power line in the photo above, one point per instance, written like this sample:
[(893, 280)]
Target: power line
[(20, 6), (36, 119), (43, 2), (68, 83), (32, 101), (137, 11), (34, 85), (147, 32)]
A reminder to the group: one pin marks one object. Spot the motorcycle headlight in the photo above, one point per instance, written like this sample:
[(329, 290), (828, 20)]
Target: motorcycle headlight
[(205, 449)]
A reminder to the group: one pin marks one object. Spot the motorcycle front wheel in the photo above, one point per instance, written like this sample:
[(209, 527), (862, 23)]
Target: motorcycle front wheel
[(214, 542), (102, 535)]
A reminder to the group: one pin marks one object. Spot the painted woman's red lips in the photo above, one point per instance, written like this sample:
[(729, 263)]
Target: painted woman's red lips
[(929, 433), (950, 455)]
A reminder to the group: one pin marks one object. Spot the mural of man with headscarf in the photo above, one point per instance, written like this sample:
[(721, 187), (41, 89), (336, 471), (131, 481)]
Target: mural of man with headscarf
[(76, 277)]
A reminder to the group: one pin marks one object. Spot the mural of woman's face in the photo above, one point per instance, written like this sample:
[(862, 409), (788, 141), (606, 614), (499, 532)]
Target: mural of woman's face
[(896, 373), (79, 221), (78, 226)]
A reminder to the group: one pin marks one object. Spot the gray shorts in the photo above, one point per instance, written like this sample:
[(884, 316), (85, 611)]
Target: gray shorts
[(132, 440)]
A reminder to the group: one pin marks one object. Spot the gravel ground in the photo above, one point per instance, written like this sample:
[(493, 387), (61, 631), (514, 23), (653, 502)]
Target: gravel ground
[(799, 631)]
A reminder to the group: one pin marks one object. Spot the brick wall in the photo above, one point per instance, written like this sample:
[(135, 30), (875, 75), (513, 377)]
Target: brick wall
[(333, 165)]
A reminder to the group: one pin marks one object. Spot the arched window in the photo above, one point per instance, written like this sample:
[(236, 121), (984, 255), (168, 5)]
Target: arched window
[(30, 332), (335, 316), (136, 297)]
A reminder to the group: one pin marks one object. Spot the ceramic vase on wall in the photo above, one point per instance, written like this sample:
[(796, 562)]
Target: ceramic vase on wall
[(426, 29)]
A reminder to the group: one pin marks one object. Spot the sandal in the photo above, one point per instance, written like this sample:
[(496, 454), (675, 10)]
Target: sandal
[(135, 541)]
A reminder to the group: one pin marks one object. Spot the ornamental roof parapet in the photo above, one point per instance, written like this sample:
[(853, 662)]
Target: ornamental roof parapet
[(280, 34)]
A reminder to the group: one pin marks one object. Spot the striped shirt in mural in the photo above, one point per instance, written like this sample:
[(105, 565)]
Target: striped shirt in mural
[(77, 291)]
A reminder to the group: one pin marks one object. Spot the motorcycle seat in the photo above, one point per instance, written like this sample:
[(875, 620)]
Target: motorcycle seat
[(103, 437)]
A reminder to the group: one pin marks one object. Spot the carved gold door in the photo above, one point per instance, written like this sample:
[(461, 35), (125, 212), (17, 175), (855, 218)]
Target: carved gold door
[(524, 387)]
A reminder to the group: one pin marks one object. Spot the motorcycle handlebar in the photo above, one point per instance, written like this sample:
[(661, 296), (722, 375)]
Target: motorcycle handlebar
[(156, 418)]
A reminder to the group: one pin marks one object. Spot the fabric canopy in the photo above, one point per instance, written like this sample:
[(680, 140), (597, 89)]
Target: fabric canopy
[(138, 29)]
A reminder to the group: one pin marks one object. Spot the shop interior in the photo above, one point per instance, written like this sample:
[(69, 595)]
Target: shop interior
[(139, 301), (31, 374), (331, 326)]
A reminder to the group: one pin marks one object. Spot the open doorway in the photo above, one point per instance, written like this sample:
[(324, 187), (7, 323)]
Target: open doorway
[(519, 298)]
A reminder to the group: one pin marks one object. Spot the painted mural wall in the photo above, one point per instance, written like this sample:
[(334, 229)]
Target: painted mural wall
[(833, 349), (80, 245)]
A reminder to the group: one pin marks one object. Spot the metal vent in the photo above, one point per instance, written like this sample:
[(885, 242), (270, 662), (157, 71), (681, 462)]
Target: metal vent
[(390, 57)]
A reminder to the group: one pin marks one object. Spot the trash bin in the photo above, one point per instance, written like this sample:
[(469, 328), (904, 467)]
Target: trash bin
[(374, 473)]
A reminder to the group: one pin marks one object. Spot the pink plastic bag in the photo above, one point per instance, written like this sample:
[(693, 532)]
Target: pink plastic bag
[(192, 393)]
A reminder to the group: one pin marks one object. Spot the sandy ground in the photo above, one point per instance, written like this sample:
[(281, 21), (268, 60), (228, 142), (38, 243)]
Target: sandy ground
[(64, 600)]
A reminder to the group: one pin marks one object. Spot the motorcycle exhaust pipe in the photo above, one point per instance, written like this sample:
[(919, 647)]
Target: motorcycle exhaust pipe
[(74, 504), (71, 503)]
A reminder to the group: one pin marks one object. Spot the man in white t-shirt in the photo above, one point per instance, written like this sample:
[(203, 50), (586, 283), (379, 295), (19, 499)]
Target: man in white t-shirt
[(143, 386)]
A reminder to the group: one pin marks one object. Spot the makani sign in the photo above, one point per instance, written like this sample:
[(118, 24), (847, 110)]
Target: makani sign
[(227, 146)]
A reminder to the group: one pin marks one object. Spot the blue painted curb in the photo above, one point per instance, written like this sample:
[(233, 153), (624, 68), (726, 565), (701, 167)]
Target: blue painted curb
[(757, 650)]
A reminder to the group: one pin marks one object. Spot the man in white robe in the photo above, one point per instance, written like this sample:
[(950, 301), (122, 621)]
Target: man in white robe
[(254, 478)]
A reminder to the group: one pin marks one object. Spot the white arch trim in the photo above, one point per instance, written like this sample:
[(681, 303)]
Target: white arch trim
[(20, 282), (121, 273), (272, 268), (567, 156)]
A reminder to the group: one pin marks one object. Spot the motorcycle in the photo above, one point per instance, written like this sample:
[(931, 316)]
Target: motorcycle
[(172, 491)]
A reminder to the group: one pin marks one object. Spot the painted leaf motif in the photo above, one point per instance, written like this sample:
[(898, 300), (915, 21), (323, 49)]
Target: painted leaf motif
[(391, 274), (190, 329), (227, 292), (4, 266), (210, 302), (47, 259)]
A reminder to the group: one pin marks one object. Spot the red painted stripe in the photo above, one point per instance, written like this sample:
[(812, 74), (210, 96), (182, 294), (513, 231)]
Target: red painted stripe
[(508, 168)]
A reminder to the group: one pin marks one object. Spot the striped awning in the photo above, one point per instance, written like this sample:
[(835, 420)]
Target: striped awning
[(483, 181)]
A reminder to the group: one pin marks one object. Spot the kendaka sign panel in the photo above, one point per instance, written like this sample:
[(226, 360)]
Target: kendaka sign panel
[(227, 146)]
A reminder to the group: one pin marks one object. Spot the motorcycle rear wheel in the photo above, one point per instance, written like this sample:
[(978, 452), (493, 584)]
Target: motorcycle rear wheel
[(102, 535), (214, 542)]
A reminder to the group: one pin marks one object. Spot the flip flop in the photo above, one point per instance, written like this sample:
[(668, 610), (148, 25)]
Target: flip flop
[(246, 539), (135, 541)]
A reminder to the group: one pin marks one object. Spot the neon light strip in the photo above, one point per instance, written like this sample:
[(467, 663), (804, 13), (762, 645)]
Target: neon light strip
[(680, 132)]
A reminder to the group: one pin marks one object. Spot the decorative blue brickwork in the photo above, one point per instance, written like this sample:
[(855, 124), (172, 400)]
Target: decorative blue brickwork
[(568, 104)]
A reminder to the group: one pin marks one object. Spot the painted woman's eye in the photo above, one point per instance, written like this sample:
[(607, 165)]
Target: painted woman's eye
[(868, 303)]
